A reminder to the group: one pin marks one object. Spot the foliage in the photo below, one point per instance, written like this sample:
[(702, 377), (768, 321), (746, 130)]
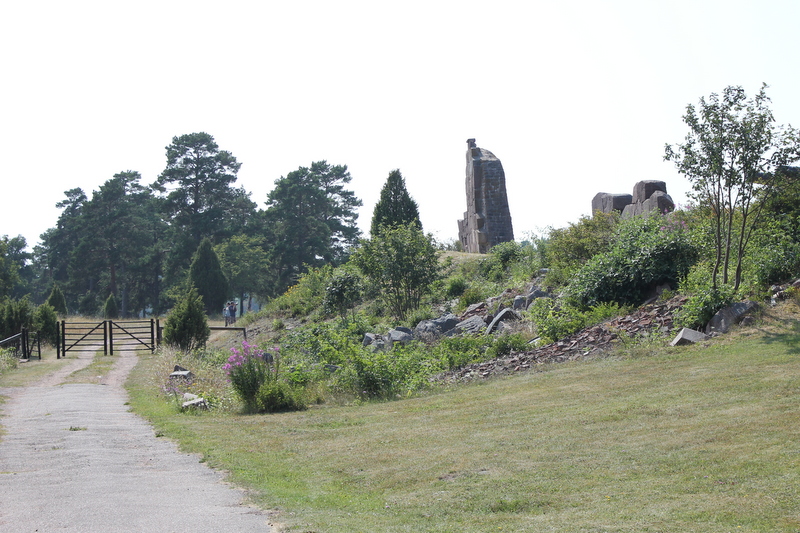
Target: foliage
[(57, 301), (704, 298), (186, 326), (8, 361), (567, 249), (343, 291), (277, 396), (395, 206), (110, 309), (647, 252), (245, 264), (732, 155), (45, 321), (306, 296), (206, 275), (15, 315), (313, 218), (248, 369), (501, 256), (402, 262), (555, 320), (456, 285)]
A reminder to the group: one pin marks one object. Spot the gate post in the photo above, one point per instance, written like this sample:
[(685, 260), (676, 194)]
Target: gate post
[(109, 329), (63, 339), (152, 335)]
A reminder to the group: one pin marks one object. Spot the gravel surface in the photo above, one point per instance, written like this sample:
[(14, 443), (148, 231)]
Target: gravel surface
[(74, 459)]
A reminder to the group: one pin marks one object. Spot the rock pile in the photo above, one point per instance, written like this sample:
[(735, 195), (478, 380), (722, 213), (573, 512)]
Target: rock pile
[(652, 318)]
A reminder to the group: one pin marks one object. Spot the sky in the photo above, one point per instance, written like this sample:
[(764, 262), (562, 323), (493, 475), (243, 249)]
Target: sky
[(574, 97)]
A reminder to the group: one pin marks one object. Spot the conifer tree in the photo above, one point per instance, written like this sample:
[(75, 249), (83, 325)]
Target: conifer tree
[(110, 308), (57, 300), (206, 275), (395, 207), (186, 326)]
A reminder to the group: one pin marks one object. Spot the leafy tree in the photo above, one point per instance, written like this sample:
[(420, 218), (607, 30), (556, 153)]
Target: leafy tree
[(187, 326), (313, 218), (15, 315), (343, 291), (57, 301), (402, 262), (206, 275), (246, 265), (395, 206), (731, 155), (9, 270)]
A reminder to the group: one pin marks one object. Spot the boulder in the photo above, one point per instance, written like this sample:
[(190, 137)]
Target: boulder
[(400, 335), (644, 189), (197, 403), (436, 327), (728, 317), (473, 324), (688, 336), (607, 202), (505, 314)]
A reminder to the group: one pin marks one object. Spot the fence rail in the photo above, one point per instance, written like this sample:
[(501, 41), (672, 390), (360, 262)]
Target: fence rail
[(23, 344)]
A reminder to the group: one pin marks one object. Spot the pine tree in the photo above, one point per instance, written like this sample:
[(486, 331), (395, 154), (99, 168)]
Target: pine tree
[(206, 275), (57, 300), (395, 207), (186, 326), (110, 308)]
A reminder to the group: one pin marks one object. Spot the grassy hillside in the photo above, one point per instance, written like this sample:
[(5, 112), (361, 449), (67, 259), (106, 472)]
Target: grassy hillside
[(651, 438)]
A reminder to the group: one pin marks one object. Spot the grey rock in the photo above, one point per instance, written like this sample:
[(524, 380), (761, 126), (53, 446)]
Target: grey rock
[(198, 403), (182, 374), (369, 338), (400, 335), (688, 336), (643, 190), (520, 302), (473, 324), (502, 316), (728, 317), (436, 327), (606, 202)]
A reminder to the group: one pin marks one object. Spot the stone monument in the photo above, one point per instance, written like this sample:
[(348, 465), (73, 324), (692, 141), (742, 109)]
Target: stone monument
[(487, 220), (649, 196)]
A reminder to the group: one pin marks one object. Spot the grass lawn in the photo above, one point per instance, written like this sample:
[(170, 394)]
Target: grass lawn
[(702, 438)]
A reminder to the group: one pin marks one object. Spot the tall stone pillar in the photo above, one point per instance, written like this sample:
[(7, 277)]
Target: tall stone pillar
[(487, 220)]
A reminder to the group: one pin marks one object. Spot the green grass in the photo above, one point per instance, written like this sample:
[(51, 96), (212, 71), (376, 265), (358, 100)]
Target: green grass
[(95, 372), (703, 439)]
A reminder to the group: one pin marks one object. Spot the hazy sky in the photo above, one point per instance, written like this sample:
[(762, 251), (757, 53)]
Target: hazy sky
[(574, 97)]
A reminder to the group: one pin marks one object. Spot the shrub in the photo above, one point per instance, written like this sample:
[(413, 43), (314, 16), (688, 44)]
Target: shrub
[(305, 296), (456, 286), (8, 361), (249, 369), (15, 315), (276, 396), (402, 262), (343, 291), (648, 251), (187, 326), (704, 301), (45, 321), (567, 249)]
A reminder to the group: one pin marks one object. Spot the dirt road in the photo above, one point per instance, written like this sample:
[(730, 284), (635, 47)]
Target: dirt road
[(74, 459)]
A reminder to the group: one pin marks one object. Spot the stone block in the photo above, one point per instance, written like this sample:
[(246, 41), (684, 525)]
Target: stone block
[(688, 336)]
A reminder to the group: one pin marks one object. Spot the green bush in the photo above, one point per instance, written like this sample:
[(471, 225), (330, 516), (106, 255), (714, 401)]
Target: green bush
[(15, 315), (249, 369), (456, 286), (704, 301), (45, 321), (277, 396), (567, 249), (647, 251), (342, 292), (8, 361), (505, 344), (186, 326), (306, 296)]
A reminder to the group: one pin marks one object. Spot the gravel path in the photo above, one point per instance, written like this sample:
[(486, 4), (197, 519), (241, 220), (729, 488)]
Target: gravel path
[(74, 459)]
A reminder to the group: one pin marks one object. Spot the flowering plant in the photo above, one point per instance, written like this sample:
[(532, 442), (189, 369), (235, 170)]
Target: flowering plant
[(248, 369)]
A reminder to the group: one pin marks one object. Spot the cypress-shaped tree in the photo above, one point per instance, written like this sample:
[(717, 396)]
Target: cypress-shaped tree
[(395, 207), (110, 308), (57, 300), (206, 275), (186, 326)]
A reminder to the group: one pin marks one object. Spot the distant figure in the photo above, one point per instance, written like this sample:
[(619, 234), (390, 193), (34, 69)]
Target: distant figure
[(225, 313), (232, 312)]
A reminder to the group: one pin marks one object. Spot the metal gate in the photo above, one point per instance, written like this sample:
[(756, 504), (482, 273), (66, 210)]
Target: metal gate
[(87, 336)]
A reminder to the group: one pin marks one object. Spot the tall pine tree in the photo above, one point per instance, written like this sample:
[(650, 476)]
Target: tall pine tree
[(395, 207)]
